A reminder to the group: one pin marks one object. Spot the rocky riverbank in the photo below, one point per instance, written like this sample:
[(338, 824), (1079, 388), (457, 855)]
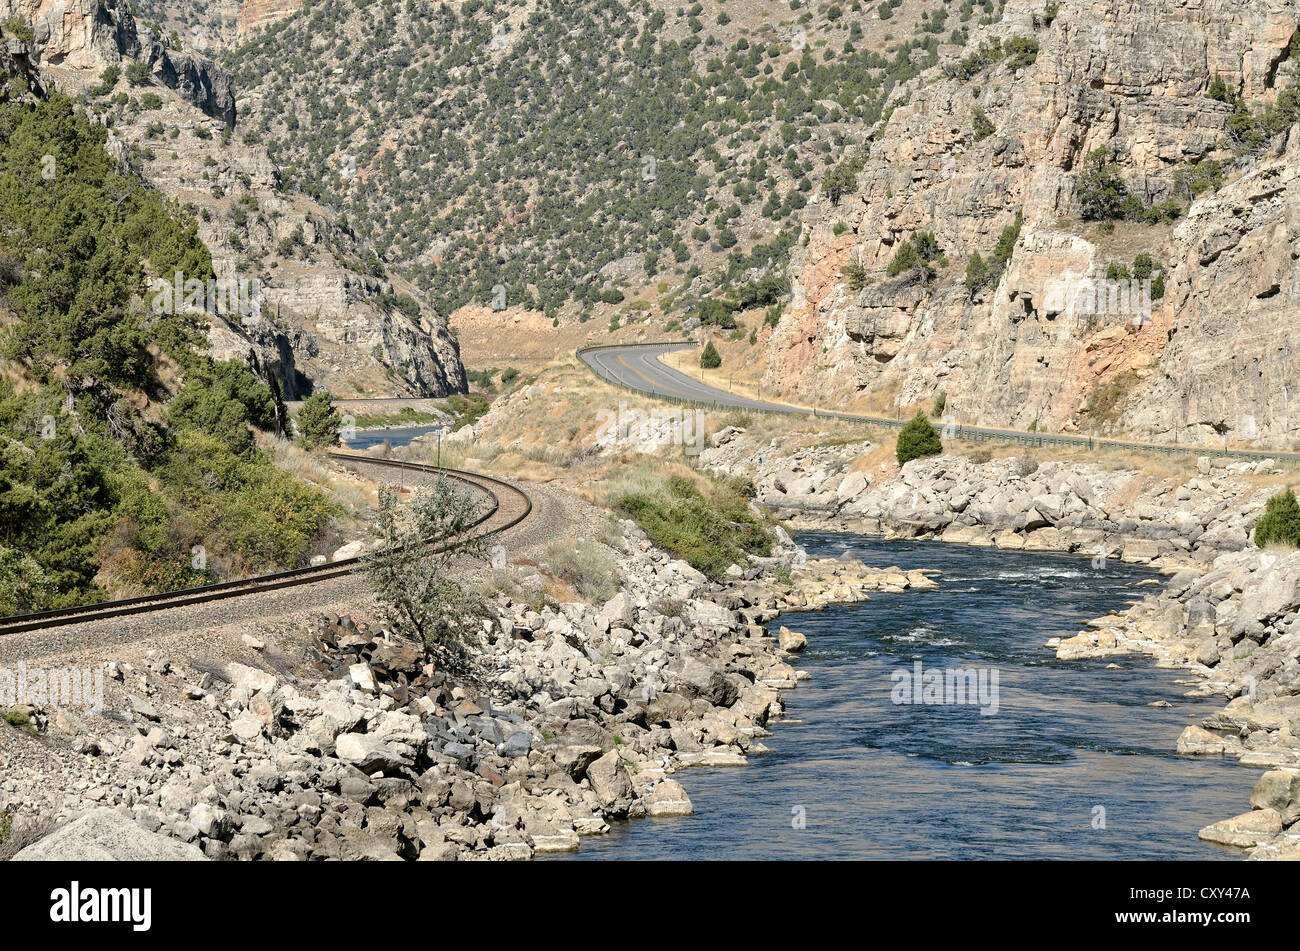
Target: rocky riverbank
[(1165, 521), (1230, 615), (340, 742), (1236, 626)]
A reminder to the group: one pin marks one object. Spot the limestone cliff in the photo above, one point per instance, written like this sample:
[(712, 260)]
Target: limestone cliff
[(964, 149)]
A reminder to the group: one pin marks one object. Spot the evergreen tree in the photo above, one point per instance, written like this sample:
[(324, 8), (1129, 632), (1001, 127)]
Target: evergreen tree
[(318, 421), (1280, 523), (918, 438), (710, 359)]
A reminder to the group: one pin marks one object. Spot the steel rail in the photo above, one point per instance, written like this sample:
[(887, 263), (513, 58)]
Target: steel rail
[(293, 577)]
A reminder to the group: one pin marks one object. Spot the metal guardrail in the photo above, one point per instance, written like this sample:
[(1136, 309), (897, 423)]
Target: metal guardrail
[(947, 431)]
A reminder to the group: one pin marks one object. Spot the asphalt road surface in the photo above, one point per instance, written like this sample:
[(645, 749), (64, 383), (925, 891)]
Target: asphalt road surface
[(638, 367)]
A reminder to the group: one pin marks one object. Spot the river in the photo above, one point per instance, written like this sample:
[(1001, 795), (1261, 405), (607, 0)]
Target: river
[(1074, 763), (394, 435)]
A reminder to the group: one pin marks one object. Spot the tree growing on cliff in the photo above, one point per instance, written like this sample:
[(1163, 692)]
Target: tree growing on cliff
[(840, 180), (916, 439), (318, 423), (1280, 523), (410, 568), (710, 359), (1101, 191)]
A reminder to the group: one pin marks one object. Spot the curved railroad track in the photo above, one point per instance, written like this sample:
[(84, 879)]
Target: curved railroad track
[(507, 507)]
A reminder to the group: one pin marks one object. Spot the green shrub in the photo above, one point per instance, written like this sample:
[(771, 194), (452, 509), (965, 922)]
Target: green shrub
[(224, 398), (709, 532), (916, 439), (840, 180), (1021, 51), (17, 718), (1280, 523), (138, 73), (710, 359), (258, 516), (977, 272), (19, 28), (857, 275), (318, 422), (917, 251), (24, 584), (715, 312)]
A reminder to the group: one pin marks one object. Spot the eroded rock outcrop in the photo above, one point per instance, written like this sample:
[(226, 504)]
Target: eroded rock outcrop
[(328, 313), (1209, 360)]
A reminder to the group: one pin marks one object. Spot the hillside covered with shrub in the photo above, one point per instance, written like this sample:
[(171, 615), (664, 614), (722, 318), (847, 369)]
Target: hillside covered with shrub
[(564, 155), (128, 460)]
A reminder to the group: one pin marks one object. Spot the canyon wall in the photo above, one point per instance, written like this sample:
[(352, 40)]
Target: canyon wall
[(1207, 363)]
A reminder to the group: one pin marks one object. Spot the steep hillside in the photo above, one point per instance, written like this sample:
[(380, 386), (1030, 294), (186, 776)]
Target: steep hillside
[(330, 313), (565, 156), (128, 459), (1069, 142)]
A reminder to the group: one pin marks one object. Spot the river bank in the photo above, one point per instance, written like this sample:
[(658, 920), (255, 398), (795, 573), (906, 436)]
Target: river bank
[(1077, 762), (335, 741), (1229, 615)]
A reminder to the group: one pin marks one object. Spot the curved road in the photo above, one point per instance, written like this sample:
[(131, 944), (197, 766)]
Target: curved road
[(638, 367)]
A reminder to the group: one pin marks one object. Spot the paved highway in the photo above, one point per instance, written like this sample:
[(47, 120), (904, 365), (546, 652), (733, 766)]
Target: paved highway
[(638, 367)]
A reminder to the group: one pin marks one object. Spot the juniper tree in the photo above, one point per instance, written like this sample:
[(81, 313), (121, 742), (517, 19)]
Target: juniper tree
[(916, 439)]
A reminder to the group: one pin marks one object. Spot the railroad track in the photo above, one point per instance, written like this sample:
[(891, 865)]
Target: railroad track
[(508, 506)]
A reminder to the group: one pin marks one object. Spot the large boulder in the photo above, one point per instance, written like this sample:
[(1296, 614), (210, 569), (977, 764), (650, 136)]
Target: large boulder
[(103, 835), (697, 679), (791, 641), (370, 753), (611, 783), (1278, 789), (1246, 830), (668, 798)]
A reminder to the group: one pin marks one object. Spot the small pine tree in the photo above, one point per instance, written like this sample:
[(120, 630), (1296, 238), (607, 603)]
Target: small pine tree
[(710, 359), (1219, 90), (318, 421), (918, 438), (977, 273), (1280, 523)]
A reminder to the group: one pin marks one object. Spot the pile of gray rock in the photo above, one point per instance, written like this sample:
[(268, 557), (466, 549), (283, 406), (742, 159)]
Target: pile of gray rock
[(1010, 502), (354, 745)]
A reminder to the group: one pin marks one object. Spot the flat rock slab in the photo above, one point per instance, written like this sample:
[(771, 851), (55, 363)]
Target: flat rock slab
[(103, 835)]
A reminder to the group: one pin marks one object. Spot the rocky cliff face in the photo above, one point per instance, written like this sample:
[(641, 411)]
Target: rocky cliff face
[(74, 39), (327, 313), (960, 157), (256, 14)]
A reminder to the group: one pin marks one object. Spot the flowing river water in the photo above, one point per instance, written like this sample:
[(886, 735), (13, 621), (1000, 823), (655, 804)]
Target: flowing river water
[(1074, 763), (393, 435)]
